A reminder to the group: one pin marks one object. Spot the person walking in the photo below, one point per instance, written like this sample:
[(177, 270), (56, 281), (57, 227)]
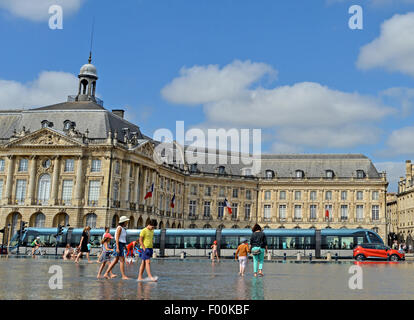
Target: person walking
[(120, 241), (146, 242), (106, 254), (258, 247), (103, 237), (241, 254), (83, 245), (214, 252)]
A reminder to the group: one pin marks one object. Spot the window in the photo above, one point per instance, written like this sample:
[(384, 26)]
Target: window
[(161, 205), (312, 211), (344, 212), (221, 192), (161, 183), (1, 189), (207, 208), (267, 195), (116, 191), (375, 195), (375, 212), (67, 192), (328, 195), (328, 211), (221, 170), (69, 165), (360, 174), (313, 195), (235, 193), (23, 164), (297, 195), (282, 211), (96, 165), (234, 208), (193, 190), (1, 165), (269, 174), (20, 191), (266, 211), (300, 174), (193, 167), (46, 163), (220, 209), (44, 189), (282, 195), (247, 208), (360, 195), (248, 194), (94, 190), (247, 172), (67, 124), (207, 191), (360, 212), (39, 220), (329, 174), (298, 211), (344, 195), (192, 207), (118, 168), (91, 220)]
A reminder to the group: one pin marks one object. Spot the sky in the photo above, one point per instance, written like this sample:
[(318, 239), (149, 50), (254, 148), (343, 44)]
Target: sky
[(294, 69)]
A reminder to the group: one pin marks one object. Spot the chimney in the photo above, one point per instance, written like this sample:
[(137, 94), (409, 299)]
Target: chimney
[(119, 112), (408, 169)]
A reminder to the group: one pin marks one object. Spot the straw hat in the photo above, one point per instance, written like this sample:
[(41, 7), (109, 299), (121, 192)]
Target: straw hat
[(123, 219)]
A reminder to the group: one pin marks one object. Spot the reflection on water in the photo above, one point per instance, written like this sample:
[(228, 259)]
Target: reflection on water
[(27, 278)]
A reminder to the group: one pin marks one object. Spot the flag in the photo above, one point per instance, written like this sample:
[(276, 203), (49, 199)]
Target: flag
[(172, 201), (149, 193), (327, 213), (228, 206)]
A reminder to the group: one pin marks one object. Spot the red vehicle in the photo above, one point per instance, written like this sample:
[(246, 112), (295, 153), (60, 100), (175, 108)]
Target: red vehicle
[(377, 251)]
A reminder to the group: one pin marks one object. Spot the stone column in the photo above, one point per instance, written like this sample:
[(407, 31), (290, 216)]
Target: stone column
[(137, 186), (79, 182), (125, 184), (32, 181), (155, 190), (55, 181), (144, 185), (9, 181)]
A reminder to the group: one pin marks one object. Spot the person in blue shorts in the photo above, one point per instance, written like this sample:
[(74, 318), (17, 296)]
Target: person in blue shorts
[(146, 242)]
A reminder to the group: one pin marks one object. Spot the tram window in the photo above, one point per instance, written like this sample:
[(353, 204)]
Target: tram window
[(229, 242), (309, 243), (131, 238), (272, 242), (172, 242), (190, 242), (156, 241), (347, 242), (359, 240), (95, 240), (330, 242), (206, 242)]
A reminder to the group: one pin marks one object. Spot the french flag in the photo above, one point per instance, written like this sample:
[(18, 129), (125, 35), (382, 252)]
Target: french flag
[(327, 213), (149, 193), (172, 203), (228, 206)]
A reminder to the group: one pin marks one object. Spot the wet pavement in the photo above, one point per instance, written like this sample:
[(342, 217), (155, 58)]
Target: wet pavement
[(28, 278)]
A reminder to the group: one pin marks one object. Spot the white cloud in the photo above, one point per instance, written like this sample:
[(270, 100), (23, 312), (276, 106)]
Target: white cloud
[(402, 96), (304, 114), (394, 171), (38, 10), (49, 88), (393, 49), (401, 142)]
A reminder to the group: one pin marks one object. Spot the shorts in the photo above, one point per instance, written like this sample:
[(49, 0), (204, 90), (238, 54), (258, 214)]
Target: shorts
[(147, 254), (105, 256), (243, 261), (122, 247)]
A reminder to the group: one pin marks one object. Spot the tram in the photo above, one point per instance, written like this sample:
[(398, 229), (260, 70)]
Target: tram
[(197, 242)]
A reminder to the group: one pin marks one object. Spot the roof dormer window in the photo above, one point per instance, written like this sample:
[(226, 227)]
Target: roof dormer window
[(221, 170), (67, 125), (360, 174), (329, 174), (269, 174), (193, 167), (46, 124), (300, 174)]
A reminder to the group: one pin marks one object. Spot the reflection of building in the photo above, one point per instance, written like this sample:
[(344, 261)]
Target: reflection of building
[(77, 163), (401, 206)]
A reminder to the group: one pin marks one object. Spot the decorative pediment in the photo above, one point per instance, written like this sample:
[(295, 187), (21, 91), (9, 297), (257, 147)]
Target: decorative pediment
[(45, 137)]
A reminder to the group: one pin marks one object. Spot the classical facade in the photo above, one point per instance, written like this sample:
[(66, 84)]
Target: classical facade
[(401, 207), (76, 163)]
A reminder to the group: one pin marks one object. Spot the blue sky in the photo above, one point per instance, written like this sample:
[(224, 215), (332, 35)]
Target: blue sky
[(242, 60)]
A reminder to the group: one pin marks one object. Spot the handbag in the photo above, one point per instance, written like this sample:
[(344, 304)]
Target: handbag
[(256, 252)]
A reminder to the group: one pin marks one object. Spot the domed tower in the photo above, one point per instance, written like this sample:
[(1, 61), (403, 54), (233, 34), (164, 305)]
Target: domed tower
[(87, 82)]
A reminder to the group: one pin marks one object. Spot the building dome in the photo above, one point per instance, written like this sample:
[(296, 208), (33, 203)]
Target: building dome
[(88, 70)]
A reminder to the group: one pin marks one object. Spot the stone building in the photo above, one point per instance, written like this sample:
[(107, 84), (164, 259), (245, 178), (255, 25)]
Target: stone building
[(76, 163)]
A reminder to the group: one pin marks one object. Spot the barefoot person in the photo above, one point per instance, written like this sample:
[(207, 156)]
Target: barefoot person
[(130, 251), (120, 240), (103, 237), (83, 244), (106, 254), (146, 242), (36, 245), (258, 244), (214, 252), (241, 254)]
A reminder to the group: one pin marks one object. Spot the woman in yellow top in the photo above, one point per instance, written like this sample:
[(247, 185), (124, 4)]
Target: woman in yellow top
[(145, 240), (241, 253)]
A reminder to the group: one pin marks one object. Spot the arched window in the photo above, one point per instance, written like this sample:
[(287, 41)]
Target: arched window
[(91, 220), (300, 174), (221, 170), (44, 189), (39, 220), (270, 174), (67, 124), (329, 174)]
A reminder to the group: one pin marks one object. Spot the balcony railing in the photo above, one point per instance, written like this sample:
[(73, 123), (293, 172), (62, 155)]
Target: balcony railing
[(141, 207), (116, 204), (193, 216), (149, 209), (133, 206), (92, 203), (247, 218), (207, 217)]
